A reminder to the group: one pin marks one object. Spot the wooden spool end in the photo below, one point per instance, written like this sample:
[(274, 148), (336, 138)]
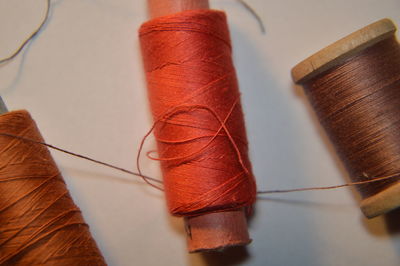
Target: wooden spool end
[(334, 55), (217, 231), (382, 202), (214, 231), (339, 51)]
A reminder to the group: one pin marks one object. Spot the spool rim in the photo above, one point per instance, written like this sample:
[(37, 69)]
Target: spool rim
[(342, 49), (382, 202)]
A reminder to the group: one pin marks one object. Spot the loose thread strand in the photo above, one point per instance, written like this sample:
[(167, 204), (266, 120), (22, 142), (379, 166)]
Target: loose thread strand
[(27, 40), (377, 179), (46, 17), (81, 156), (329, 187), (254, 13)]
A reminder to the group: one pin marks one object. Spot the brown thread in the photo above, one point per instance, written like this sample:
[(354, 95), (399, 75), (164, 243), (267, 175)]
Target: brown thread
[(81, 156), (39, 223), (377, 179), (371, 180), (358, 103)]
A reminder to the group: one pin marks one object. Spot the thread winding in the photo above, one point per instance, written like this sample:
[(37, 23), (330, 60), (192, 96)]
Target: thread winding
[(39, 223), (198, 119), (358, 103)]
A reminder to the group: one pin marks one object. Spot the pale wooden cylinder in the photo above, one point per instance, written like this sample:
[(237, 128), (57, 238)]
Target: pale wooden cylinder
[(158, 8)]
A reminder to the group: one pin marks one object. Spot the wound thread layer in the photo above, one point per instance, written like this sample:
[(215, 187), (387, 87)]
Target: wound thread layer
[(358, 103), (198, 119), (39, 223)]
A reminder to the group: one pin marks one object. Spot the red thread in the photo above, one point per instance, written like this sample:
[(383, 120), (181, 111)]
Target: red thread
[(198, 119)]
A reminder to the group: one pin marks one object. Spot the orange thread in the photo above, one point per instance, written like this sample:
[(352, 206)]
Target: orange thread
[(198, 119), (39, 223)]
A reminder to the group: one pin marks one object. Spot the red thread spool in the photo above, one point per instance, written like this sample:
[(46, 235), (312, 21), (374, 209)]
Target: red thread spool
[(39, 223), (354, 87), (199, 124)]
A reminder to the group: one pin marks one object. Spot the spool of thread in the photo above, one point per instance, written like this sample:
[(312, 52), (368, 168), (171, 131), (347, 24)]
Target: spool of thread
[(39, 223), (199, 126), (354, 88)]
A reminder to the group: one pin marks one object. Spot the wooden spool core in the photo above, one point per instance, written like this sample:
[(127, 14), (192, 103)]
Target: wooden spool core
[(214, 231), (158, 8), (335, 54)]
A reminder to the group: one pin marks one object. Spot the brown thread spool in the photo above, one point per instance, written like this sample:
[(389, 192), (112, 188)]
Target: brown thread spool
[(218, 230), (354, 87), (39, 223)]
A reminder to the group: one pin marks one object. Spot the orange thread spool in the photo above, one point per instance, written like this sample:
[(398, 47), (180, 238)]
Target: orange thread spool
[(198, 122), (39, 223)]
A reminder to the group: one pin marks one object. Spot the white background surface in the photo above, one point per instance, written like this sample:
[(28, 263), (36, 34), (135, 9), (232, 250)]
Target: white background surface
[(83, 83)]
